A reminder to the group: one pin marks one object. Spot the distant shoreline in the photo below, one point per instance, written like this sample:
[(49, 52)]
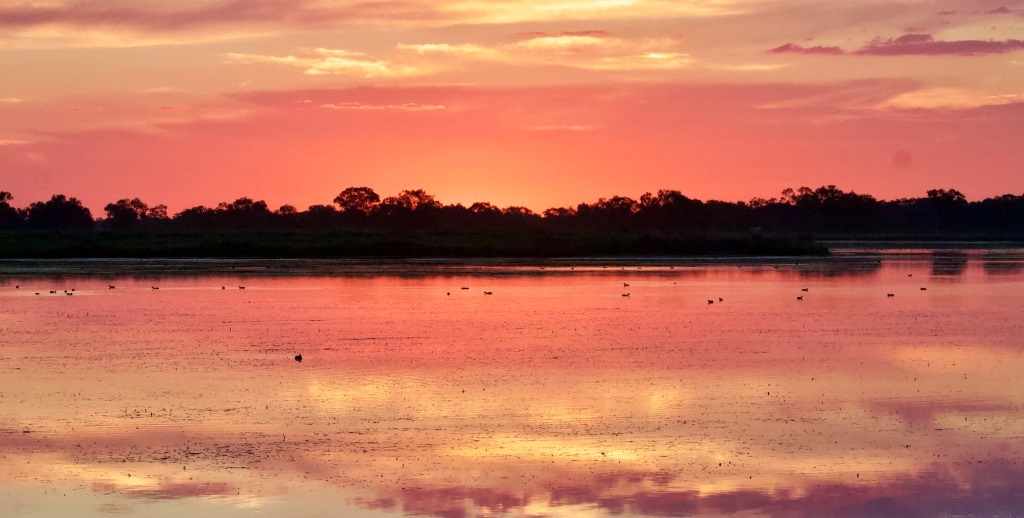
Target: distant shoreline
[(428, 246), (423, 245)]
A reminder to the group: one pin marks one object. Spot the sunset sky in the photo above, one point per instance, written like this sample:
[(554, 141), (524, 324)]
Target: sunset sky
[(539, 103)]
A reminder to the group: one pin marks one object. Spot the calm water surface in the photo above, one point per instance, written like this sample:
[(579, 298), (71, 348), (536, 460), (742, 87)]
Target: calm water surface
[(554, 396)]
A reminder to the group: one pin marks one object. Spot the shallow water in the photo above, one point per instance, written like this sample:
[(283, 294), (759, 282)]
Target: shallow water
[(554, 396)]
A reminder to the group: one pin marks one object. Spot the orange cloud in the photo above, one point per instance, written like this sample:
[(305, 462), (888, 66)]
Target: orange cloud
[(322, 61), (952, 98), (589, 50)]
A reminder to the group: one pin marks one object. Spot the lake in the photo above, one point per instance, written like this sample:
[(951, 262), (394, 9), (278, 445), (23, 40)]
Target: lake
[(869, 383)]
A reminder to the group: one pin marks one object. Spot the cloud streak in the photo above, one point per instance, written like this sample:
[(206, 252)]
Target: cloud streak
[(793, 48), (125, 16), (948, 98), (585, 50), (322, 61), (911, 45), (130, 15), (927, 45)]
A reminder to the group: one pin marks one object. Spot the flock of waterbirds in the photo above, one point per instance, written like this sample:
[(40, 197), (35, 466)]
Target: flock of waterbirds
[(624, 285), (109, 287), (298, 357)]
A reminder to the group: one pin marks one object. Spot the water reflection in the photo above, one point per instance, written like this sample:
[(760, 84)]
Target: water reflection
[(968, 489), (1002, 263), (556, 396), (947, 262)]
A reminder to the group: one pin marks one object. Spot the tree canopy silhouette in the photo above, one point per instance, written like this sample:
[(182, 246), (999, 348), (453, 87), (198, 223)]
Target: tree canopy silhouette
[(126, 214), (10, 218), (357, 200), (652, 223), (59, 213)]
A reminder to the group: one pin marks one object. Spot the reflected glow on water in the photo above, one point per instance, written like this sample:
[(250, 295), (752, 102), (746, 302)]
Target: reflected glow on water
[(555, 396)]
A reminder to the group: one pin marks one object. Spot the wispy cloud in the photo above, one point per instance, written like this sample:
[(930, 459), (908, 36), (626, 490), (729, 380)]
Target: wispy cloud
[(648, 61), (1004, 10), (465, 50), (588, 50), (912, 45), (128, 22), (517, 11), (565, 43), (926, 44), (750, 67), (948, 98), (332, 62), (170, 17), (13, 142), (793, 48)]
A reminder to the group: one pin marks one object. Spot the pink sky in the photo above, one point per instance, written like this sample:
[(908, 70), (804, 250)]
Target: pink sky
[(520, 102)]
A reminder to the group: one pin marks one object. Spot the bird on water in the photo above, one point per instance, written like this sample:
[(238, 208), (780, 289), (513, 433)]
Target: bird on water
[(298, 357)]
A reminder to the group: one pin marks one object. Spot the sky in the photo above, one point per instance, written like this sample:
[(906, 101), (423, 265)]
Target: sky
[(537, 103)]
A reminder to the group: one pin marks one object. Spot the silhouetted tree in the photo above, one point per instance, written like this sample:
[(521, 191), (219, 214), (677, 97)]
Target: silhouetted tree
[(948, 206), (157, 213), (517, 211), (195, 218), (559, 212), (410, 209), (126, 213), (361, 200), (483, 207), (60, 212), (411, 200), (244, 213), (10, 218)]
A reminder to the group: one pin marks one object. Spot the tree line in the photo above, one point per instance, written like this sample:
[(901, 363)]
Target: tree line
[(825, 211)]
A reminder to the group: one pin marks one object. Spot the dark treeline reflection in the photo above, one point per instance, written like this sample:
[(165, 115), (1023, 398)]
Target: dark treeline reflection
[(947, 262), (823, 211)]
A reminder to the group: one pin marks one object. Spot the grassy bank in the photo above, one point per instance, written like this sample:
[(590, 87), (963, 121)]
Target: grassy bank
[(298, 244)]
